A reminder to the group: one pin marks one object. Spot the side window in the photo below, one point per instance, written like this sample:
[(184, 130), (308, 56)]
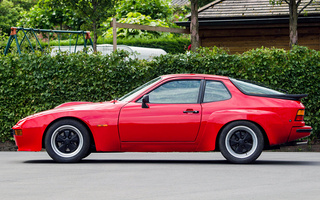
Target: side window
[(179, 91), (215, 91)]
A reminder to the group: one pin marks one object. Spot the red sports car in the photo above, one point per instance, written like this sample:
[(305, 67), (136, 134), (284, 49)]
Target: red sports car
[(180, 113)]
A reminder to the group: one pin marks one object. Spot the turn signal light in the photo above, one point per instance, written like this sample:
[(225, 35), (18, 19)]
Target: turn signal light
[(300, 115), (18, 132)]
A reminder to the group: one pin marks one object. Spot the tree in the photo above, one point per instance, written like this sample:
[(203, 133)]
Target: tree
[(144, 12), (9, 15), (25, 4), (293, 17), (138, 18), (156, 9), (47, 14), (94, 12), (194, 26)]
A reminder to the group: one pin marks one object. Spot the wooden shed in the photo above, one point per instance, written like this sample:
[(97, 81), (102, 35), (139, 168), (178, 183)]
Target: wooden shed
[(241, 25)]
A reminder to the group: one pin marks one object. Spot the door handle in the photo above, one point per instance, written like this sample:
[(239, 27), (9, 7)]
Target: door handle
[(191, 111)]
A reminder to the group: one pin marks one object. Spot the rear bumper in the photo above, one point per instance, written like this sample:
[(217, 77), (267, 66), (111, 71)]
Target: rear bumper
[(299, 132), (288, 144)]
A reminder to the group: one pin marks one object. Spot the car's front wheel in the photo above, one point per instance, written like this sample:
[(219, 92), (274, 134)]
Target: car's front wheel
[(67, 141), (241, 142)]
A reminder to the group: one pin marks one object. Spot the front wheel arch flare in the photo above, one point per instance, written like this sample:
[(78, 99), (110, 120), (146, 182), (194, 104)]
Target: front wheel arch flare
[(67, 141), (66, 118)]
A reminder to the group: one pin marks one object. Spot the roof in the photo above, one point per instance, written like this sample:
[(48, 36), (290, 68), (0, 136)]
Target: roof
[(268, 21), (194, 75), (179, 2), (251, 8)]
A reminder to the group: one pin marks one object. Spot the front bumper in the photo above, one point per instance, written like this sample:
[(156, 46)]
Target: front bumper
[(28, 139)]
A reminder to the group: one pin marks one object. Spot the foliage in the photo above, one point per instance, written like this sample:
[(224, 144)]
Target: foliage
[(32, 83), (94, 12), (156, 9), (47, 14), (144, 12), (170, 45), (9, 15), (3, 37), (37, 82), (138, 18), (25, 4), (3, 42), (288, 70), (180, 12)]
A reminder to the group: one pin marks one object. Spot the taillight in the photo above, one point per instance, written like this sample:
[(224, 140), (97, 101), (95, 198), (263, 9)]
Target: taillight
[(300, 115)]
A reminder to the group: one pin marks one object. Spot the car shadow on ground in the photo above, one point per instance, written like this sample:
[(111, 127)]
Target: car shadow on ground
[(164, 161)]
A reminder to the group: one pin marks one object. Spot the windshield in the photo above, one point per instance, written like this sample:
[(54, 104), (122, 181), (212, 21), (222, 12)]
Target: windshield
[(250, 88), (129, 96)]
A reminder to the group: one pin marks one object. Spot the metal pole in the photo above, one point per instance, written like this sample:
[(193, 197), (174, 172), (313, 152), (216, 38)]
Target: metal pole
[(70, 43), (22, 39), (85, 42), (89, 37), (14, 30), (8, 44), (16, 38), (47, 30), (59, 42), (75, 47), (36, 38), (25, 36)]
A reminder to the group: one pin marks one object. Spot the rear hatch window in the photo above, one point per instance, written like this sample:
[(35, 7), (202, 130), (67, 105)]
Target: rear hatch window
[(258, 90)]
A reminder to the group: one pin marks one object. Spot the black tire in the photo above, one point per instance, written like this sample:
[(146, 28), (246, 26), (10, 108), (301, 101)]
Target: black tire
[(67, 141), (88, 154), (241, 142)]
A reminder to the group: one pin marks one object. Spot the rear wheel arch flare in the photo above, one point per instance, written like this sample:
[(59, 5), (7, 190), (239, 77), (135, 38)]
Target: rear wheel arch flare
[(266, 140), (67, 118)]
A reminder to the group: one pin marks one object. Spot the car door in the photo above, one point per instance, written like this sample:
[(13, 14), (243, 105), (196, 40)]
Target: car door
[(173, 114)]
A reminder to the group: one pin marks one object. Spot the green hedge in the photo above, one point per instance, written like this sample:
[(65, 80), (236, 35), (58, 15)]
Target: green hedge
[(35, 82), (170, 45)]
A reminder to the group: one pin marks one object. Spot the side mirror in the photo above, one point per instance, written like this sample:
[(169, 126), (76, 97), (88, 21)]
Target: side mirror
[(145, 100)]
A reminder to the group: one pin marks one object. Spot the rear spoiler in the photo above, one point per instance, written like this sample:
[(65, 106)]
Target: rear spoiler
[(295, 97)]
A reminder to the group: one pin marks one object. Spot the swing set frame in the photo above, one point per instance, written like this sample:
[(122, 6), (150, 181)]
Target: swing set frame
[(14, 30)]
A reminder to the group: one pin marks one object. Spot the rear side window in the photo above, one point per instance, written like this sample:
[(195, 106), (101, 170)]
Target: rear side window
[(215, 91), (253, 89)]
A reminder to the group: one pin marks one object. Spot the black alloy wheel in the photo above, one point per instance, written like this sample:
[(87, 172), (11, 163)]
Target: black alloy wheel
[(67, 141), (241, 142)]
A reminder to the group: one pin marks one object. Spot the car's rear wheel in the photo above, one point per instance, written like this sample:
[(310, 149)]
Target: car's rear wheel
[(241, 142), (67, 141)]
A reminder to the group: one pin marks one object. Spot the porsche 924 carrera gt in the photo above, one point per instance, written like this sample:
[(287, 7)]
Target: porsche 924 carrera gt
[(180, 113)]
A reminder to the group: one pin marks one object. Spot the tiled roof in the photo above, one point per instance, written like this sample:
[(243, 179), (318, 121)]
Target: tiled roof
[(179, 2), (251, 8)]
